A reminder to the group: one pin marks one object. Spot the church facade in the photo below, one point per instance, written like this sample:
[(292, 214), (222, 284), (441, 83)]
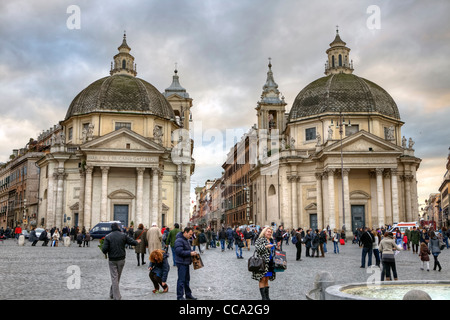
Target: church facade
[(341, 160), (118, 155)]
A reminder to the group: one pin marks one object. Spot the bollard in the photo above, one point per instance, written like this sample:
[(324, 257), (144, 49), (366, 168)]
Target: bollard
[(416, 295), (66, 241), (21, 240), (322, 281)]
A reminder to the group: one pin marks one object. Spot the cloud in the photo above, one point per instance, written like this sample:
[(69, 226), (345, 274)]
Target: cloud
[(222, 49)]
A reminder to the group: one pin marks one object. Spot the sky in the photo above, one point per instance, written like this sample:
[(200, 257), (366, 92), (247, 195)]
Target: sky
[(51, 50)]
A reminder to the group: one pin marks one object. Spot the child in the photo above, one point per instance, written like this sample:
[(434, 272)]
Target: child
[(159, 269), (405, 242), (424, 255)]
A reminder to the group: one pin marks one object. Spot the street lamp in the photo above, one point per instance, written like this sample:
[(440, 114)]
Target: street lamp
[(340, 124)]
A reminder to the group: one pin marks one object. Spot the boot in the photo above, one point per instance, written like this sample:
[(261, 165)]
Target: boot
[(263, 293), (439, 265), (266, 290)]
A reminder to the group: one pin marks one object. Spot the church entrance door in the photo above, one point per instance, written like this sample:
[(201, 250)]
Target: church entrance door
[(358, 217), (121, 213)]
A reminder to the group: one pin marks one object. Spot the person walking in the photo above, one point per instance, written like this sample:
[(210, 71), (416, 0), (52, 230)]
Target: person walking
[(336, 240), (366, 240), (196, 240), (230, 238), (141, 248), (222, 238), (387, 248), (415, 240), (279, 236), (154, 238), (435, 249), (114, 247), (183, 260), (322, 242), (265, 249), (159, 270), (238, 242), (87, 239), (424, 255), (408, 237), (248, 235), (308, 239), (171, 240)]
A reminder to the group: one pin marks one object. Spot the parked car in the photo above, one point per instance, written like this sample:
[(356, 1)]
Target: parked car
[(102, 229), (39, 231), (26, 234)]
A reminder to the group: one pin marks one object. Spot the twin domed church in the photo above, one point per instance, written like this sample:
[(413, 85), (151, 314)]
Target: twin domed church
[(341, 158)]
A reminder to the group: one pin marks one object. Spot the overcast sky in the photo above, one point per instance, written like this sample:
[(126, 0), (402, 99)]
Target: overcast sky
[(222, 49)]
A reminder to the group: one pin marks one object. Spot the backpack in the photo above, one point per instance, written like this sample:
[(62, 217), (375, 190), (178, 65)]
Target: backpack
[(294, 239), (202, 238)]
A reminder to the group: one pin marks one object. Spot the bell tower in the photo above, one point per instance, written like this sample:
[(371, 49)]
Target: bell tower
[(338, 57), (123, 61), (271, 108)]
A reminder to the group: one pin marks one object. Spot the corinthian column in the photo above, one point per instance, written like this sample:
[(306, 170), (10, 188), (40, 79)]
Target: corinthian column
[(331, 209), (81, 199), (395, 207), (155, 195), (320, 220), (104, 196), (59, 198), (139, 195), (380, 196), (50, 217), (88, 198), (293, 180), (408, 179), (346, 200)]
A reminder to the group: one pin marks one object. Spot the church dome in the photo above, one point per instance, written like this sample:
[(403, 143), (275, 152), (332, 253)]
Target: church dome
[(341, 92), (121, 93)]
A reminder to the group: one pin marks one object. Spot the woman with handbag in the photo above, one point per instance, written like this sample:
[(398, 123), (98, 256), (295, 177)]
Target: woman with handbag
[(265, 249), (435, 250)]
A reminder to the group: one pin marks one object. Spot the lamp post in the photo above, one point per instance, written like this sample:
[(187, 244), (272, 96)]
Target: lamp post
[(340, 124)]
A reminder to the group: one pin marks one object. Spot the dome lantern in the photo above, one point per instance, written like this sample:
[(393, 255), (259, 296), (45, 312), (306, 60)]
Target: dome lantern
[(338, 57), (123, 61)]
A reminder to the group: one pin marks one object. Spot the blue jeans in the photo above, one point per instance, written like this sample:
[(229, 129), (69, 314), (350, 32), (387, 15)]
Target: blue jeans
[(183, 281), (173, 255), (336, 247), (222, 244), (325, 247), (240, 249), (366, 251)]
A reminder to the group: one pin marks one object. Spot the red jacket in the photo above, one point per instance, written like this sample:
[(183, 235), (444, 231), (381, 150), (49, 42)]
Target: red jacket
[(18, 230)]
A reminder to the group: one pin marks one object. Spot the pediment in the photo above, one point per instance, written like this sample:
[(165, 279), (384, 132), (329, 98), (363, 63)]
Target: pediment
[(123, 139), (311, 206), (121, 194), (362, 142)]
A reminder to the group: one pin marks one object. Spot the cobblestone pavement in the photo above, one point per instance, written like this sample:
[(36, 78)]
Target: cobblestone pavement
[(48, 273)]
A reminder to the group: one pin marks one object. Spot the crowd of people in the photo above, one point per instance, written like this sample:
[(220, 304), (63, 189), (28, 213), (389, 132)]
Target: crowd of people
[(378, 244)]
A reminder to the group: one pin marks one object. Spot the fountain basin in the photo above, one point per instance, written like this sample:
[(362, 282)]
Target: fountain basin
[(388, 290)]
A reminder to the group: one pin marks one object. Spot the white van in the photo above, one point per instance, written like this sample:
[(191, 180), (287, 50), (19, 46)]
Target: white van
[(403, 226)]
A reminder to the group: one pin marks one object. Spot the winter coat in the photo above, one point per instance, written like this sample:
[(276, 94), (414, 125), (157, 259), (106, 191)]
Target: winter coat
[(434, 246), (263, 252), (182, 250), (172, 237), (114, 245), (314, 240), (367, 239), (141, 235), (415, 237), (387, 247), (424, 253), (154, 238), (161, 269)]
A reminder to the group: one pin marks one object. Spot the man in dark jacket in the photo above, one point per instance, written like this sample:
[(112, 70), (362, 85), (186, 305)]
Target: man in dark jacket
[(183, 260), (222, 237), (366, 240), (279, 236), (43, 237), (114, 246)]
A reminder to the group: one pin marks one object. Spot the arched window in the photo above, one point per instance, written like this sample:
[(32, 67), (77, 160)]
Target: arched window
[(124, 64), (332, 61), (272, 190), (340, 60)]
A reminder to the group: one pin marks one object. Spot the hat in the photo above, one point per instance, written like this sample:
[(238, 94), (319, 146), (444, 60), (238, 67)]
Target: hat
[(154, 224)]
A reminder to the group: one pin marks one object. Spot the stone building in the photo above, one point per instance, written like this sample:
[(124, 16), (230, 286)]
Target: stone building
[(341, 158), (123, 153)]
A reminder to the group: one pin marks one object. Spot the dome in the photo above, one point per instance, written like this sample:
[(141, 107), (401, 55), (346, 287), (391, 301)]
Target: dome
[(343, 92), (121, 93)]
